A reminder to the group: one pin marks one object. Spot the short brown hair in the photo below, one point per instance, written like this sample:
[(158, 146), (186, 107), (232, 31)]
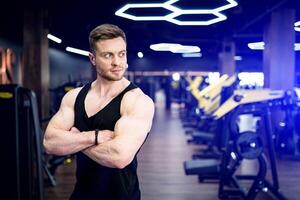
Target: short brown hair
[(104, 32)]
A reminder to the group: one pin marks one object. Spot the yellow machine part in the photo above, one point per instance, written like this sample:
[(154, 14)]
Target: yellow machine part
[(248, 96), (6, 95)]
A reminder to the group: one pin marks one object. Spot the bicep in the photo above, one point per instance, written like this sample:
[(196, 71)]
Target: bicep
[(132, 128), (64, 118)]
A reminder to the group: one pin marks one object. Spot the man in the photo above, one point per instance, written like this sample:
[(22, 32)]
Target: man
[(105, 123)]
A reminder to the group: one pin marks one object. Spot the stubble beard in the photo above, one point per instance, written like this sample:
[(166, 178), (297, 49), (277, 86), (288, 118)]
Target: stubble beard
[(109, 77)]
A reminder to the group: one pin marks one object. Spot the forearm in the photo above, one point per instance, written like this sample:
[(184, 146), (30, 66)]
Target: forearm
[(61, 142), (108, 154), (120, 151)]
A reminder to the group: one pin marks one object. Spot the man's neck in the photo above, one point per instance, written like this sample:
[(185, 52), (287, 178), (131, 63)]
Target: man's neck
[(107, 88)]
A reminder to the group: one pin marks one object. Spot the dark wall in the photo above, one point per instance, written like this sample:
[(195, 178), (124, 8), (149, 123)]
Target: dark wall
[(62, 65), (173, 62), (65, 66), (250, 62)]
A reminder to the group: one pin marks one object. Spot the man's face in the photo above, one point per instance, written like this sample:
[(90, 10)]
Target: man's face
[(110, 59)]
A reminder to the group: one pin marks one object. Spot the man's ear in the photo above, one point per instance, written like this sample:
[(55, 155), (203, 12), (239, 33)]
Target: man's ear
[(92, 59)]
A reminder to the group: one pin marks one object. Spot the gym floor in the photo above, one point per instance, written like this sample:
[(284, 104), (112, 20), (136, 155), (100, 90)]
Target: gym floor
[(161, 169)]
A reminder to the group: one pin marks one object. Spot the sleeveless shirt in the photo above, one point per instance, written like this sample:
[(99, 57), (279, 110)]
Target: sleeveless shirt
[(94, 181)]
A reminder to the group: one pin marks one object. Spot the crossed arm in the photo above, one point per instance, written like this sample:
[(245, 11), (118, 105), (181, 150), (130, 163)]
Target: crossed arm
[(116, 149), (130, 133)]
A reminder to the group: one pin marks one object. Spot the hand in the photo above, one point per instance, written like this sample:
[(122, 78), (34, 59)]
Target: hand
[(105, 135)]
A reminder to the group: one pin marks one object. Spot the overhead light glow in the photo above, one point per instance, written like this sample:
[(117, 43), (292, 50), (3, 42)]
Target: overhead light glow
[(176, 76), (256, 45), (297, 26), (213, 77), (54, 38), (255, 79), (238, 58), (175, 12), (78, 51), (191, 55), (140, 54), (175, 48), (185, 49), (163, 46), (261, 46), (297, 46), (233, 155)]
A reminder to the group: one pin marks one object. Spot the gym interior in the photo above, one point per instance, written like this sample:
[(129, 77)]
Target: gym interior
[(224, 76)]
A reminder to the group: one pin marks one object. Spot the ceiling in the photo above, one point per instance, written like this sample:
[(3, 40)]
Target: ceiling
[(73, 20)]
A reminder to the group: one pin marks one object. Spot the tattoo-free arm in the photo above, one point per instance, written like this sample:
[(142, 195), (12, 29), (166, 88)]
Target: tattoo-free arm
[(58, 138), (130, 133)]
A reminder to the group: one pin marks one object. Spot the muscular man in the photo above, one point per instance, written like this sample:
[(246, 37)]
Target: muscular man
[(105, 123)]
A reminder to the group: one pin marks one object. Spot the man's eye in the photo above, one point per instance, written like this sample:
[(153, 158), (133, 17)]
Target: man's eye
[(122, 54), (107, 55)]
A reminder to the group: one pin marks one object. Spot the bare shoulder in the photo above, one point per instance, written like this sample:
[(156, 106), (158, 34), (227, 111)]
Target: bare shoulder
[(64, 117), (137, 96), (136, 99), (70, 96)]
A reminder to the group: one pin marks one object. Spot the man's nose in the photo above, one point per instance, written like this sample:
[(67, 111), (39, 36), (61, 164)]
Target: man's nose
[(116, 61)]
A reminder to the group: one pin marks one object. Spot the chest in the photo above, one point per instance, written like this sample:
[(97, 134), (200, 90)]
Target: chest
[(100, 113), (94, 104)]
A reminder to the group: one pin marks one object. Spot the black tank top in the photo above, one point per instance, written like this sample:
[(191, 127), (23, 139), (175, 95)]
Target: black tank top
[(94, 181)]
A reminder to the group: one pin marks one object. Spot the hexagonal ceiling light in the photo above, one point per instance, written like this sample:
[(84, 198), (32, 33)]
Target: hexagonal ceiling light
[(175, 12)]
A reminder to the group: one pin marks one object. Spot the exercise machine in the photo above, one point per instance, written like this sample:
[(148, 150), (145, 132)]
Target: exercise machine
[(237, 146), (21, 144)]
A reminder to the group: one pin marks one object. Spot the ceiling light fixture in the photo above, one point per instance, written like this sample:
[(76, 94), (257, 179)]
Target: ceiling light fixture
[(175, 12), (256, 45), (163, 46), (78, 51), (261, 46), (238, 58), (185, 49), (191, 55), (297, 46), (175, 48), (140, 54), (251, 78), (54, 38), (176, 76), (297, 26)]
